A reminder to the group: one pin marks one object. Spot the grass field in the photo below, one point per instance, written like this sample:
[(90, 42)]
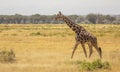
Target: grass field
[(48, 47)]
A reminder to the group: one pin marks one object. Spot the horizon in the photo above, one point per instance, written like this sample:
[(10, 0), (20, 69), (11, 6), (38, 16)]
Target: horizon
[(64, 14), (67, 7)]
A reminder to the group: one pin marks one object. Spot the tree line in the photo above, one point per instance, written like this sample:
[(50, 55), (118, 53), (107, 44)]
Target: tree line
[(50, 19)]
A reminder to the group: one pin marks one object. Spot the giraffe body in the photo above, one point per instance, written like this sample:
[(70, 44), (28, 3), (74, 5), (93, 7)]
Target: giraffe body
[(82, 36)]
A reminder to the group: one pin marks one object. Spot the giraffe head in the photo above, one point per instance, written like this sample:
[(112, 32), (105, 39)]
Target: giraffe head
[(59, 16)]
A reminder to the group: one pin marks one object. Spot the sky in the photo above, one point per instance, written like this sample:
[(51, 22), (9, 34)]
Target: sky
[(68, 7)]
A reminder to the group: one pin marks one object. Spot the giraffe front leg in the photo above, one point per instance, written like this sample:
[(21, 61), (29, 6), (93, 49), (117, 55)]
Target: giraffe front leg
[(83, 46), (75, 47)]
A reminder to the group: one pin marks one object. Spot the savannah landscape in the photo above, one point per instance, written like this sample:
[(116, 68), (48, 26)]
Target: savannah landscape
[(48, 47)]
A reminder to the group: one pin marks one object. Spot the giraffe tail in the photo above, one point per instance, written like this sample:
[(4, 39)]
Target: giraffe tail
[(100, 52)]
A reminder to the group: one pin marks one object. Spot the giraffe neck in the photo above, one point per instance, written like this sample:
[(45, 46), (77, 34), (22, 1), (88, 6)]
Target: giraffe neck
[(71, 24)]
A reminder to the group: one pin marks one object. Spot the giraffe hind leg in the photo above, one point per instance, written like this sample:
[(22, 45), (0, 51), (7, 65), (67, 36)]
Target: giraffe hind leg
[(98, 49), (83, 46), (90, 50)]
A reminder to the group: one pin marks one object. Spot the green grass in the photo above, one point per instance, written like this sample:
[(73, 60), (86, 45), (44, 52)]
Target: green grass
[(90, 66)]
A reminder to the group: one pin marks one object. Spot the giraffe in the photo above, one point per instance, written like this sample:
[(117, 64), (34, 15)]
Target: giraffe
[(82, 36)]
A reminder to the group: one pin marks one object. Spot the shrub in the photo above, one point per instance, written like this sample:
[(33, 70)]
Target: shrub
[(14, 34), (37, 33), (117, 34), (97, 64), (7, 56)]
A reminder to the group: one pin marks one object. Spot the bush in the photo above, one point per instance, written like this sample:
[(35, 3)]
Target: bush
[(37, 33), (7, 56), (97, 64)]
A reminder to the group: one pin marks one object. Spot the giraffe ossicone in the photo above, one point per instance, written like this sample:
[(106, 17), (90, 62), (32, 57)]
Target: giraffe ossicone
[(82, 36)]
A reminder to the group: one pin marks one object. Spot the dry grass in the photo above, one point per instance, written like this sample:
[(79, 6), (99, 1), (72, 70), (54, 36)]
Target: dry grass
[(47, 48)]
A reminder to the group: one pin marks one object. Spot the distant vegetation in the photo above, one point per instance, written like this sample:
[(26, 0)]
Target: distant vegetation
[(50, 19)]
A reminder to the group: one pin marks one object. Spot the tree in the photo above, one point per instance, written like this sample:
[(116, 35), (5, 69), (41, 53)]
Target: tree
[(109, 18), (91, 18), (41, 19)]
